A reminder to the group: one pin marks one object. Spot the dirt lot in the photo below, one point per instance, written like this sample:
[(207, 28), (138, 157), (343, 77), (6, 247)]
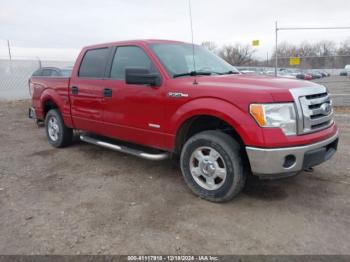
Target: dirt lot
[(89, 200)]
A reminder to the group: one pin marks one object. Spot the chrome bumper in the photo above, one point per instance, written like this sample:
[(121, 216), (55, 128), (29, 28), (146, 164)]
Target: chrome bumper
[(290, 160)]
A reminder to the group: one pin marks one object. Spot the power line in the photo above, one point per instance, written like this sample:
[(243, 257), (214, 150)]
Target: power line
[(300, 28), (315, 28), (322, 56)]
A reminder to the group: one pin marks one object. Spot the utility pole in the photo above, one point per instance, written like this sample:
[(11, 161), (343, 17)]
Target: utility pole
[(267, 59), (276, 47), (9, 48), (301, 28), (39, 61)]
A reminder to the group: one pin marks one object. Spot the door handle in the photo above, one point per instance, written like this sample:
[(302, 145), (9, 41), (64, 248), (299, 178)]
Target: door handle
[(107, 92), (75, 90)]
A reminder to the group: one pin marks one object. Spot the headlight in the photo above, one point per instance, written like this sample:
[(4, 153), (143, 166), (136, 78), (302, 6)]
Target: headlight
[(275, 115)]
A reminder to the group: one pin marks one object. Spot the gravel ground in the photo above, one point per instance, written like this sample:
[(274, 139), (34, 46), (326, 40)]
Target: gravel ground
[(89, 200)]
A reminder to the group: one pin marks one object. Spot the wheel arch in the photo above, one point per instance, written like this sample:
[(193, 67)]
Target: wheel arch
[(50, 99), (201, 111)]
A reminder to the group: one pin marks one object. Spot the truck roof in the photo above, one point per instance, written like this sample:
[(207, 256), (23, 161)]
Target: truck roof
[(140, 41)]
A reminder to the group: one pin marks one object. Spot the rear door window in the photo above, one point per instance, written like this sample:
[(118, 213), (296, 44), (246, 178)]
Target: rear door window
[(94, 63)]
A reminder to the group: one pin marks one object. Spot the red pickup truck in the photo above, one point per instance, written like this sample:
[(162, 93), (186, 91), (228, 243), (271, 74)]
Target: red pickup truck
[(158, 99)]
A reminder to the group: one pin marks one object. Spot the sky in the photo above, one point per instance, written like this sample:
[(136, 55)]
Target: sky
[(59, 29)]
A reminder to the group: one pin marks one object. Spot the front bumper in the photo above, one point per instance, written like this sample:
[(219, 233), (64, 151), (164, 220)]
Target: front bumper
[(290, 160)]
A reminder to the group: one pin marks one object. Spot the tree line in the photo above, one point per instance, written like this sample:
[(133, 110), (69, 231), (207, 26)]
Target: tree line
[(322, 54)]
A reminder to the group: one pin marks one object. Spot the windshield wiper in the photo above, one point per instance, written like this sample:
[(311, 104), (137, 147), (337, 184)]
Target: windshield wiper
[(231, 72), (193, 73), (205, 73)]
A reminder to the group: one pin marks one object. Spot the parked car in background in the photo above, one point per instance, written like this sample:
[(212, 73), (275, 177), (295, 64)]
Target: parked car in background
[(251, 70), (346, 71), (269, 72), (53, 72), (323, 73), (49, 72), (290, 73), (248, 72), (326, 73), (295, 73), (315, 75), (285, 75), (304, 76)]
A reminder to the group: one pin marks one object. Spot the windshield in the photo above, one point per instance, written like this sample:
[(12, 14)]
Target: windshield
[(178, 60)]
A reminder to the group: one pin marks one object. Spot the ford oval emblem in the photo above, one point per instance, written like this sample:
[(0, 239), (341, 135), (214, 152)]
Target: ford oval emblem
[(326, 108)]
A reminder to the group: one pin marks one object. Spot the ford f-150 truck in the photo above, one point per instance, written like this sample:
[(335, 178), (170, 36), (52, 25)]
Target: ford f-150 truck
[(158, 99)]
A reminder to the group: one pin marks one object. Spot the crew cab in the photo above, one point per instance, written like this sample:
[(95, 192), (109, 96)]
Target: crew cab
[(159, 99)]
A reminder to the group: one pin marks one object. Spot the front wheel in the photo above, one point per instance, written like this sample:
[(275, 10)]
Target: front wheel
[(212, 166), (57, 133)]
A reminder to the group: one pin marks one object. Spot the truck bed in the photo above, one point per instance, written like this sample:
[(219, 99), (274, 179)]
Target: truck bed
[(55, 86)]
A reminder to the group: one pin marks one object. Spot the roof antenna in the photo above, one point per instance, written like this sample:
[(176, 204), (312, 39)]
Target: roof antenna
[(193, 57)]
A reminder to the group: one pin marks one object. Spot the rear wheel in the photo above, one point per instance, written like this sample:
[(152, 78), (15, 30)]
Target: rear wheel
[(212, 166), (57, 133)]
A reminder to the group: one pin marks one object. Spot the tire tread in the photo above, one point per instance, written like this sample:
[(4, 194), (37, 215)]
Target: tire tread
[(232, 148), (67, 133)]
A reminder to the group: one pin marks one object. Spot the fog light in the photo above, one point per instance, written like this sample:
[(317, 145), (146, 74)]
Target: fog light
[(289, 161)]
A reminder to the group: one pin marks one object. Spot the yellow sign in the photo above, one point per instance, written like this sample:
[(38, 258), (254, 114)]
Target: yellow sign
[(256, 43), (294, 61)]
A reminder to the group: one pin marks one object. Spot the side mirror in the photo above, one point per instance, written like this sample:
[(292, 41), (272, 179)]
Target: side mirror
[(141, 76)]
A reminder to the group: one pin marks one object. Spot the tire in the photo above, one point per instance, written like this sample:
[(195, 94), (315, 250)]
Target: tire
[(57, 133), (197, 155)]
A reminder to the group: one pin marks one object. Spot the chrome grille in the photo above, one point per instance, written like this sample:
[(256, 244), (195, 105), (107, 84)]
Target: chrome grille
[(314, 108)]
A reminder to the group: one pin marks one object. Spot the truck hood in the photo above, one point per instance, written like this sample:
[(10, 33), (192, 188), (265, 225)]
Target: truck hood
[(277, 87)]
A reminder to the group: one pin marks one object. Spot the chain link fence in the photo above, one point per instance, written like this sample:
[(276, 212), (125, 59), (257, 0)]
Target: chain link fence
[(338, 80), (14, 75), (335, 63)]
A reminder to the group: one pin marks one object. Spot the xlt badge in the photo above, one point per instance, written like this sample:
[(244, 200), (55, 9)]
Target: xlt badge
[(177, 94)]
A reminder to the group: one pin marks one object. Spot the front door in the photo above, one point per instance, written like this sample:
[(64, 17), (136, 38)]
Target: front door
[(134, 113)]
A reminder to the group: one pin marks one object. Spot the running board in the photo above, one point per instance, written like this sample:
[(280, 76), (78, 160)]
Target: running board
[(124, 149)]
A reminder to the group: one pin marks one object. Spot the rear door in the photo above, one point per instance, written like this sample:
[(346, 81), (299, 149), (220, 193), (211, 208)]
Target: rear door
[(86, 90)]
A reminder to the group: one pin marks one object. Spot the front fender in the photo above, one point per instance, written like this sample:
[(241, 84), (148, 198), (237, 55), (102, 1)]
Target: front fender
[(240, 120)]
